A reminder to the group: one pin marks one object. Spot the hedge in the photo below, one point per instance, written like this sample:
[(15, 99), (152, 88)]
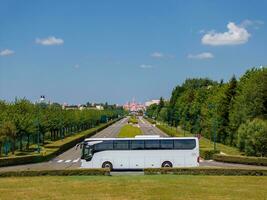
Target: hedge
[(207, 171), (166, 130), (207, 153), (55, 148), (248, 160), (152, 121), (68, 172)]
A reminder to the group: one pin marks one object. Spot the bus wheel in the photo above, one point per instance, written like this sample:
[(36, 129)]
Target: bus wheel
[(107, 165), (166, 164)]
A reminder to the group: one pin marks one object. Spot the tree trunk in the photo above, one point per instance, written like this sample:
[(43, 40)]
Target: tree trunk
[(1, 144), (28, 142), (20, 143), (13, 146)]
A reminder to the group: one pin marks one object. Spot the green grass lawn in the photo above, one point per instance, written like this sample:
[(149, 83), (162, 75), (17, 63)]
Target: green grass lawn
[(134, 187), (204, 142), (133, 120), (129, 131)]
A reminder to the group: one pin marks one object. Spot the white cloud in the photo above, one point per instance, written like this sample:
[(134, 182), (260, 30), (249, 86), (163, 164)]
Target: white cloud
[(202, 31), (160, 55), (234, 36), (157, 55), (49, 41), (77, 66), (6, 52), (201, 56), (144, 66), (253, 23)]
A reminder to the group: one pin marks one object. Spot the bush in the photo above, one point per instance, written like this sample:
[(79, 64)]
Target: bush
[(68, 172), (248, 160), (252, 137), (167, 130), (133, 120), (207, 171), (152, 121), (207, 154)]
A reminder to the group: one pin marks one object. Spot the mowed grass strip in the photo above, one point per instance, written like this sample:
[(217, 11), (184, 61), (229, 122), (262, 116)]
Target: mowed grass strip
[(129, 131), (134, 187)]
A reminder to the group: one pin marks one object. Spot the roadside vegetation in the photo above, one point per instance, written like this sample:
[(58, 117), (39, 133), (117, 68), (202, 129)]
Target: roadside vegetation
[(137, 187), (129, 131), (232, 113), (204, 143), (133, 120), (24, 125)]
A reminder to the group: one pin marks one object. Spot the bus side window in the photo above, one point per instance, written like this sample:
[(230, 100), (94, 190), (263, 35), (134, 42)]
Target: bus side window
[(105, 145), (137, 144), (166, 144), (121, 145), (152, 144), (185, 144)]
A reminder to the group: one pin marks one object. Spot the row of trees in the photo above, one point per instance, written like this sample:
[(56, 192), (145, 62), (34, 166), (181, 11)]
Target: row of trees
[(231, 109), (23, 123)]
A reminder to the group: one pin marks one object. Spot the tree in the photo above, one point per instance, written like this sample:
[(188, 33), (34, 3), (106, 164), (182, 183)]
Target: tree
[(163, 115), (23, 111), (252, 137), (226, 95), (8, 129), (250, 100)]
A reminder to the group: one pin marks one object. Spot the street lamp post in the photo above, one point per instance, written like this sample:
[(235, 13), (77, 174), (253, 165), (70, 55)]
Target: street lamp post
[(214, 128), (38, 130), (214, 135)]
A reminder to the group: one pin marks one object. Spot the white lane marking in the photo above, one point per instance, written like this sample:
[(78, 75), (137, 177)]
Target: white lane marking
[(74, 161), (59, 161), (67, 161)]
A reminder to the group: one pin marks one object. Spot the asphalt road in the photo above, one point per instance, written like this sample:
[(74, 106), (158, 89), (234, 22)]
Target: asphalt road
[(149, 129)]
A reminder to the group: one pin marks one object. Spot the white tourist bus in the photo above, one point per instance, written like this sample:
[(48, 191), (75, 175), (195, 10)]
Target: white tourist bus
[(140, 152)]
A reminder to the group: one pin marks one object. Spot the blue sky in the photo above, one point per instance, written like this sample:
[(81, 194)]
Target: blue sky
[(97, 51)]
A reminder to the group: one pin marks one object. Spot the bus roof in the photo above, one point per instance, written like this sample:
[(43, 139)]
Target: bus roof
[(140, 138)]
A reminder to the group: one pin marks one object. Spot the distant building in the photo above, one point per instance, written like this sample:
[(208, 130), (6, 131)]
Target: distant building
[(134, 106), (99, 107), (70, 107), (42, 98), (82, 107), (149, 103)]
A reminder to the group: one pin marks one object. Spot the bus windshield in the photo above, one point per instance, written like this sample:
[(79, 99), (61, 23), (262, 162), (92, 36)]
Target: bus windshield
[(87, 152)]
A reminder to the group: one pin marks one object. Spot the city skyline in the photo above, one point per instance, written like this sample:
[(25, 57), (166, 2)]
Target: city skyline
[(111, 51)]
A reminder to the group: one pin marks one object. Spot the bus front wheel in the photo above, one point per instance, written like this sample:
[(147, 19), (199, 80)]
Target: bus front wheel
[(166, 164), (107, 165)]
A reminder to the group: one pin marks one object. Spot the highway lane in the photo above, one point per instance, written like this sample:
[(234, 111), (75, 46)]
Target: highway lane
[(149, 129)]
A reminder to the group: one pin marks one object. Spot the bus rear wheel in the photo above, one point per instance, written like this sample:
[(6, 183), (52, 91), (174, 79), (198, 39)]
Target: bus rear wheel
[(107, 165), (166, 164)]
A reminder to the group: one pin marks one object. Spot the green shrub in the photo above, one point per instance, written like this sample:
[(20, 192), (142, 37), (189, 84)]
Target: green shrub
[(68, 172), (248, 160), (207, 171), (252, 137), (152, 121), (167, 130), (207, 154), (133, 120)]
